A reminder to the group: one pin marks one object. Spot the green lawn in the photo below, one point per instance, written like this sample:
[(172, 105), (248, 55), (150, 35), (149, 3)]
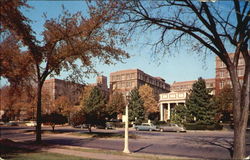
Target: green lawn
[(44, 156)]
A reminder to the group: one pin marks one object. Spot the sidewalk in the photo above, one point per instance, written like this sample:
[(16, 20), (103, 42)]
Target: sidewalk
[(106, 154)]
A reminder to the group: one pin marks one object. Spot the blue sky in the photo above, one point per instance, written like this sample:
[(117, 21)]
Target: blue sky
[(182, 66)]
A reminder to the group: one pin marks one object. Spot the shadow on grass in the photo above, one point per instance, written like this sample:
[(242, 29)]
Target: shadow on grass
[(50, 131), (219, 142), (10, 149), (142, 148)]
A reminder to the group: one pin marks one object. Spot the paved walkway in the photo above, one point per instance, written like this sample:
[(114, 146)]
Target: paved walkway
[(104, 155)]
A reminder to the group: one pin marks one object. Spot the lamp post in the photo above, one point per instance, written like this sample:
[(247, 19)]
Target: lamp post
[(126, 150)]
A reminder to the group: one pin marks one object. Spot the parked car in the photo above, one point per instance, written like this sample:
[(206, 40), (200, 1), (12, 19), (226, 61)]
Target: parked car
[(12, 123), (31, 123), (107, 125), (146, 127), (80, 126), (171, 127)]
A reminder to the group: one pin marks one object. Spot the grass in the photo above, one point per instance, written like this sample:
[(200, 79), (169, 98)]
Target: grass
[(44, 156), (103, 135), (92, 150), (140, 155)]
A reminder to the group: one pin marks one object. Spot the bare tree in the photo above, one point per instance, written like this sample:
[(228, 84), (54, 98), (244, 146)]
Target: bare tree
[(70, 43), (219, 27)]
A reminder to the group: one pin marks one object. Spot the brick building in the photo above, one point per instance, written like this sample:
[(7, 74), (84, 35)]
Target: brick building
[(185, 86), (125, 80), (222, 75), (179, 90), (56, 88)]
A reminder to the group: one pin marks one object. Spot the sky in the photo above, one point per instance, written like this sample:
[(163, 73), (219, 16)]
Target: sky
[(182, 66)]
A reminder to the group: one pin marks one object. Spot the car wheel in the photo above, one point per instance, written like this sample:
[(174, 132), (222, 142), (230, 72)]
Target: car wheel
[(161, 129)]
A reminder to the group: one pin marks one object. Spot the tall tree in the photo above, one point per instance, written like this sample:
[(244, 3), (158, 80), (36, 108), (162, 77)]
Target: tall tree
[(54, 119), (221, 28), (94, 107), (64, 106), (14, 102), (150, 104), (116, 104), (135, 106), (199, 104), (180, 114), (70, 42)]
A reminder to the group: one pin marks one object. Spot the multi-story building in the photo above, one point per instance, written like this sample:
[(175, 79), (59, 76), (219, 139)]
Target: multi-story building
[(56, 88), (185, 86), (222, 75), (179, 90), (178, 95), (126, 80), (101, 82)]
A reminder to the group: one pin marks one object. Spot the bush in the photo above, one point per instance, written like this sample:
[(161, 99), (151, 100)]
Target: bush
[(159, 122), (195, 126), (53, 119), (118, 124)]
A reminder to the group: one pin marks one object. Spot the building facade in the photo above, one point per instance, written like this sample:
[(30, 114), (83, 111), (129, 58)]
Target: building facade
[(186, 86), (56, 88), (178, 95), (126, 80), (180, 90), (222, 75), (168, 101)]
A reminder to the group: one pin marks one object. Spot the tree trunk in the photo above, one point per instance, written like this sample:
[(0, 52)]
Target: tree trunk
[(240, 112), (89, 128), (53, 128), (239, 142), (39, 113)]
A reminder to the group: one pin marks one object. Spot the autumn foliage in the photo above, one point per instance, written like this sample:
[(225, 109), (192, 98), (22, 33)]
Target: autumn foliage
[(68, 39)]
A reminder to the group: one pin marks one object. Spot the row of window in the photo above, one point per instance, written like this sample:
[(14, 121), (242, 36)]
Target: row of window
[(241, 62), (126, 76), (225, 74), (188, 87), (151, 80), (223, 83), (127, 84)]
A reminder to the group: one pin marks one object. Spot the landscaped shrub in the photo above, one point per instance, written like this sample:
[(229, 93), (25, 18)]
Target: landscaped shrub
[(195, 126)]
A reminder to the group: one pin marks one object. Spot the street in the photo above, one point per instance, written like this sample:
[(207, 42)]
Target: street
[(193, 144)]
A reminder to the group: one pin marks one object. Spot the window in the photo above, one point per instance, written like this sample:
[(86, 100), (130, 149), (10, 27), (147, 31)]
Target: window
[(117, 77), (118, 85), (221, 85), (222, 74), (241, 82), (241, 62), (132, 75), (133, 84), (240, 72), (123, 76)]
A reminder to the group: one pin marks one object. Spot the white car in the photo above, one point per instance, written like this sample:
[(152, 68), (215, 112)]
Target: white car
[(31, 123), (171, 128)]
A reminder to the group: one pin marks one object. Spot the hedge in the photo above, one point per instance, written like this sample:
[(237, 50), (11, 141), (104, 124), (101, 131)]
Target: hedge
[(194, 126)]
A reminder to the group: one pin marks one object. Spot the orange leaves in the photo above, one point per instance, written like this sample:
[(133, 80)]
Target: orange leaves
[(150, 103)]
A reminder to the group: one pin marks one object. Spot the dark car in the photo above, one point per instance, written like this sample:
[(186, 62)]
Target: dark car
[(171, 127)]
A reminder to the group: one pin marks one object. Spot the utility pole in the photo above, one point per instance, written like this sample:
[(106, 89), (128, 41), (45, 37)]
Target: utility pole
[(126, 150)]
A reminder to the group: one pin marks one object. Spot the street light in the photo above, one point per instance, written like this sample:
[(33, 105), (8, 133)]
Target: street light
[(126, 150)]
